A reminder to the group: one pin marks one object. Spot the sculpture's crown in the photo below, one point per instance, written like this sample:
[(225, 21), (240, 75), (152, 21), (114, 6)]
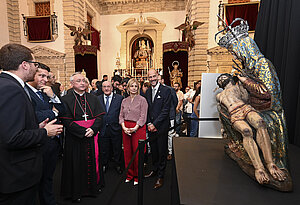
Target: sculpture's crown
[(232, 34)]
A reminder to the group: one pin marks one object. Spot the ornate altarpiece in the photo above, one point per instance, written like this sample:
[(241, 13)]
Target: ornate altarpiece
[(133, 31)]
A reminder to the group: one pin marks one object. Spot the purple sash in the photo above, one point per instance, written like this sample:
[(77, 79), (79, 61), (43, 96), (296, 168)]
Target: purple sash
[(88, 124)]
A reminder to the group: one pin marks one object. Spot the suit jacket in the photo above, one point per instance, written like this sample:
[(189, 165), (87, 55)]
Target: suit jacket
[(159, 110), (174, 103), (20, 138), (56, 89), (111, 119), (43, 109)]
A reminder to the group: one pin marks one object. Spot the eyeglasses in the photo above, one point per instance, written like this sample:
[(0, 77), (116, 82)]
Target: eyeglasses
[(36, 64)]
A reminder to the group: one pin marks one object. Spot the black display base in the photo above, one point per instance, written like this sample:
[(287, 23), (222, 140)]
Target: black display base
[(206, 176)]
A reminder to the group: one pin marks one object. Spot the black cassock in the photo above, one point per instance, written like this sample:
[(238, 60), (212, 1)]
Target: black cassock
[(80, 174)]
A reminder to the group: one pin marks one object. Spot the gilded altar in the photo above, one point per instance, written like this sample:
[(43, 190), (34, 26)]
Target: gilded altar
[(141, 46)]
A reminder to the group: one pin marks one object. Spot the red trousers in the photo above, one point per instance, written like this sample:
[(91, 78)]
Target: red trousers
[(130, 145)]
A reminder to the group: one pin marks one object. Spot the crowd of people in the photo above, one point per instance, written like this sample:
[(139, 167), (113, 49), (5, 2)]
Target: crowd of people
[(87, 123)]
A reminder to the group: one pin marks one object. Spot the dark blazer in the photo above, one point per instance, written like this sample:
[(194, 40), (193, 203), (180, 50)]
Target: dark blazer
[(20, 138), (43, 109), (159, 110), (56, 89), (112, 117), (174, 103)]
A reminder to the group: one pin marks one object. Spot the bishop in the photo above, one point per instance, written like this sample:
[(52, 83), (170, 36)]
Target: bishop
[(81, 172)]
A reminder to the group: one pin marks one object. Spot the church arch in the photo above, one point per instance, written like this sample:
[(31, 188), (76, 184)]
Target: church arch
[(140, 27)]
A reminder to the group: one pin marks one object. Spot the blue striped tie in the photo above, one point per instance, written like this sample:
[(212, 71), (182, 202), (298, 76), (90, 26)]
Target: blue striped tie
[(40, 95), (107, 104)]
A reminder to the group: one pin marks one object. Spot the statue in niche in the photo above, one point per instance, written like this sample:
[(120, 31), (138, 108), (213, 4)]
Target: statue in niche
[(80, 35), (187, 29), (256, 111), (141, 56), (175, 74)]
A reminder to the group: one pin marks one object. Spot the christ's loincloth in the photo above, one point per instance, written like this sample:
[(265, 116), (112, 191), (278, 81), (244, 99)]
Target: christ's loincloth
[(240, 112)]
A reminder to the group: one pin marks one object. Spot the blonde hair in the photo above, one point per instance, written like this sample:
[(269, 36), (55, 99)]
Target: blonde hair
[(130, 82)]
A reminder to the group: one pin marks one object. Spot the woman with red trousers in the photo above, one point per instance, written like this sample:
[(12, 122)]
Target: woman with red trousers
[(133, 116)]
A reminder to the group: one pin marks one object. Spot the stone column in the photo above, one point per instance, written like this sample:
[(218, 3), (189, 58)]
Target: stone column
[(198, 10), (74, 14), (13, 17), (159, 48), (123, 56)]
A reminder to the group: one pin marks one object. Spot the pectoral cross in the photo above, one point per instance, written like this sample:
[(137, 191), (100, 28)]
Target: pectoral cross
[(85, 116)]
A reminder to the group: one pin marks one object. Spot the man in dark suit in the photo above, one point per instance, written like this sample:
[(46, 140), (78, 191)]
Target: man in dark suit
[(111, 131), (158, 122), (46, 105), (21, 137)]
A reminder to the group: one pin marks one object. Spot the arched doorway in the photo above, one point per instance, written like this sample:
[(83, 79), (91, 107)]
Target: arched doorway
[(133, 31)]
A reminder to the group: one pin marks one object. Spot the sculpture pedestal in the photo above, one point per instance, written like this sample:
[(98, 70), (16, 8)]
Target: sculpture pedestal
[(285, 186), (206, 175)]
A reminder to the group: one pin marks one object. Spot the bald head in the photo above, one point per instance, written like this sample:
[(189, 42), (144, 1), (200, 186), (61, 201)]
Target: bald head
[(153, 77), (152, 71), (107, 87)]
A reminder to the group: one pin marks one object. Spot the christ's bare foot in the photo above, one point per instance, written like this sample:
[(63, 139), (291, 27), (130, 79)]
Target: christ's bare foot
[(261, 176), (276, 172)]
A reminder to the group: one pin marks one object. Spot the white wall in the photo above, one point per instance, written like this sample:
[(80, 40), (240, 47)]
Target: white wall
[(4, 34), (58, 44), (111, 37), (213, 24)]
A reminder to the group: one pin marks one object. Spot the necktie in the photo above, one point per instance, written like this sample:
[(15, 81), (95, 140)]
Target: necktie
[(40, 95), (107, 103), (153, 94)]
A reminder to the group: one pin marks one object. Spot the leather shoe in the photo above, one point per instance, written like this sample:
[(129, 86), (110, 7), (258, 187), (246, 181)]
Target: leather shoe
[(119, 170), (151, 174), (76, 200), (159, 183), (169, 157)]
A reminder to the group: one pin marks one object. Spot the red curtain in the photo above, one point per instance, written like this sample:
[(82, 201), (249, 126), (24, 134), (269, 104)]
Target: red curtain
[(39, 28), (247, 12), (95, 38), (88, 62)]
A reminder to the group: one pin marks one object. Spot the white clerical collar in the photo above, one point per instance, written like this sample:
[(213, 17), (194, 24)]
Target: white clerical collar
[(15, 77), (156, 87), (78, 93)]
